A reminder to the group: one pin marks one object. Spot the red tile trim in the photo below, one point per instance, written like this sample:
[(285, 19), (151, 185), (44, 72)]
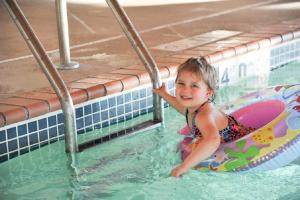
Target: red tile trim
[(33, 107), (287, 36), (276, 39), (252, 46), (215, 57), (113, 87), (2, 120), (296, 34), (130, 82), (241, 49), (264, 43), (96, 91), (12, 114), (50, 98), (228, 53)]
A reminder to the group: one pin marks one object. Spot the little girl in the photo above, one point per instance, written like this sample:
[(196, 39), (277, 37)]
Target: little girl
[(196, 83)]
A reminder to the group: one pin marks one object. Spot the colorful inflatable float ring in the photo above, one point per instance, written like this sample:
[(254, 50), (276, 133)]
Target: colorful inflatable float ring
[(275, 115)]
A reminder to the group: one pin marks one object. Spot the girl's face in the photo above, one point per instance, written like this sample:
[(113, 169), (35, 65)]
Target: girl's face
[(191, 90)]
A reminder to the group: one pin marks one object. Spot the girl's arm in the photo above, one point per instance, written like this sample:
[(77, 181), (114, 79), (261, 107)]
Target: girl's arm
[(204, 148), (162, 91)]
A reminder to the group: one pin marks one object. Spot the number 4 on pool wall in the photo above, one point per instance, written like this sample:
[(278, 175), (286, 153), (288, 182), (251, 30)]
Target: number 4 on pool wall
[(225, 78)]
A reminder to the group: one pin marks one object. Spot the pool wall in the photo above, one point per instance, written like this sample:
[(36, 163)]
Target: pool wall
[(33, 120)]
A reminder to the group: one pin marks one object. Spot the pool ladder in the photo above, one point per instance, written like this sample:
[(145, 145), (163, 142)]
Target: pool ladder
[(57, 83)]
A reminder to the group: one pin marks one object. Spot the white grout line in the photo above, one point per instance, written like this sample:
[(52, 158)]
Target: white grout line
[(83, 23), (153, 29)]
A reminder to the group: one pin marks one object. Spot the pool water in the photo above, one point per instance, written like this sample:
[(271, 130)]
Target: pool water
[(137, 167)]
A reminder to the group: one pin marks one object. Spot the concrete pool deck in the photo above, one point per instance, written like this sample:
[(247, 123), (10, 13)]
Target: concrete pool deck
[(108, 65)]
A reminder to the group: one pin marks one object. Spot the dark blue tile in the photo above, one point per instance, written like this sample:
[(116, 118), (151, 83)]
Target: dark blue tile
[(42, 144), (105, 124), (150, 109), (23, 151), (128, 97), (3, 158), (11, 133), (3, 148), (88, 129), (143, 93), (272, 52), (13, 155), (104, 115), (88, 109), (80, 123), (121, 118), (96, 107), (52, 121), (43, 135), (149, 91), (112, 102), (149, 102), (120, 99), (113, 121), (171, 85), (2, 136), (79, 112), (112, 112), (12, 145), (80, 131), (165, 104), (97, 126), (53, 140), (33, 138), (88, 120), (42, 124), (32, 127), (52, 132), (143, 111), (143, 104), (60, 118), (34, 147), (61, 129), (128, 116), (104, 104), (23, 142), (276, 53), (120, 110), (172, 92), (22, 130), (136, 113), (96, 118), (135, 95), (135, 105), (128, 108)]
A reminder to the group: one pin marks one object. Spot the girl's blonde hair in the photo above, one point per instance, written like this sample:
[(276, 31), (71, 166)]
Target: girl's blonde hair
[(203, 70)]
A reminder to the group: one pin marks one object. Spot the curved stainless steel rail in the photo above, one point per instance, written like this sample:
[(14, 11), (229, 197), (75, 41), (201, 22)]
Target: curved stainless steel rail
[(50, 71), (143, 54)]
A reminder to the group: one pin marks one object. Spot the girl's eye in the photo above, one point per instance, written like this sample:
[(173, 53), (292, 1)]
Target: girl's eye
[(180, 83), (195, 86)]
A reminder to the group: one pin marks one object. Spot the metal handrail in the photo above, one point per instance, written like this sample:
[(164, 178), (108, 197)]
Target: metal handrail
[(63, 36), (50, 71), (143, 54)]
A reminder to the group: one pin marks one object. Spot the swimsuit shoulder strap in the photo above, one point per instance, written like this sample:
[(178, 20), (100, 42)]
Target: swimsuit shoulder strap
[(186, 116)]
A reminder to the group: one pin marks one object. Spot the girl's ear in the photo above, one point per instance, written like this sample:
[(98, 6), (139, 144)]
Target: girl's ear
[(209, 93)]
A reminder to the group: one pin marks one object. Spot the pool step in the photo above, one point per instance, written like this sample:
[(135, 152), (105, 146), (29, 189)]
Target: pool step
[(144, 126)]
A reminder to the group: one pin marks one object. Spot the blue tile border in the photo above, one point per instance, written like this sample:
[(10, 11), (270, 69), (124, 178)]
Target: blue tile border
[(29, 135)]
